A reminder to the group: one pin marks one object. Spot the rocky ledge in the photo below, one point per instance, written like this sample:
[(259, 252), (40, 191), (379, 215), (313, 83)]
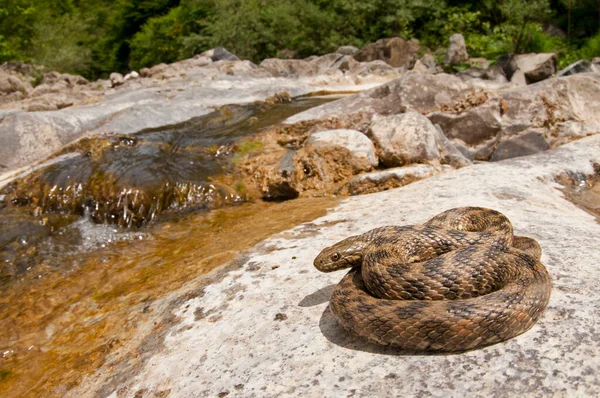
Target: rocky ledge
[(264, 329)]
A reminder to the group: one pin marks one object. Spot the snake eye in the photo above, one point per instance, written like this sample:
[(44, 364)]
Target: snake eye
[(335, 256)]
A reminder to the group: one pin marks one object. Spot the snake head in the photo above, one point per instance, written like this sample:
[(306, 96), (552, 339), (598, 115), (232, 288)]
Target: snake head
[(344, 254)]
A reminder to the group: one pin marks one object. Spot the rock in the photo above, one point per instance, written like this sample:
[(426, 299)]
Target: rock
[(10, 84), (472, 73), (518, 78), (360, 147), (289, 67), (480, 63), (348, 63), (131, 75), (568, 131), (405, 138), (116, 79), (429, 61), (145, 72), (473, 126), (387, 179), (347, 50), (496, 73), (280, 186), (423, 92), (220, 54), (581, 66), (457, 52), (420, 67), (242, 343), (395, 51), (524, 144), (536, 67)]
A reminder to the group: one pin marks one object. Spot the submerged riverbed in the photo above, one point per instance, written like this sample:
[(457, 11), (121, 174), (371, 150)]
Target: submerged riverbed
[(90, 244)]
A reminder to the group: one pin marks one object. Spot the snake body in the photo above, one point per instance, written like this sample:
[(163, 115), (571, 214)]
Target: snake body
[(460, 281)]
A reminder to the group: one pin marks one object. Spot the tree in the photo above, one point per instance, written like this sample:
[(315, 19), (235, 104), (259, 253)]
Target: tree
[(519, 14)]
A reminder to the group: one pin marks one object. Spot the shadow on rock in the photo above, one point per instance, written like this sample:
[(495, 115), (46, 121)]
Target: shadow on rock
[(336, 334), (319, 297)]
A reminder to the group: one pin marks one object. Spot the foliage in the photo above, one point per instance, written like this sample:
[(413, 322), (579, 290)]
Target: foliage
[(96, 37)]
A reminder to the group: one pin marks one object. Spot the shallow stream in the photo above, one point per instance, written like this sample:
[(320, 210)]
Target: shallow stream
[(92, 246)]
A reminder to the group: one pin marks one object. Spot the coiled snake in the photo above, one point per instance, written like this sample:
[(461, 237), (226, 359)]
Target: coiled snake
[(460, 281)]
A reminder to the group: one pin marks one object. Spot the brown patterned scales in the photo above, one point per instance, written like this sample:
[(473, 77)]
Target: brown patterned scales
[(457, 282)]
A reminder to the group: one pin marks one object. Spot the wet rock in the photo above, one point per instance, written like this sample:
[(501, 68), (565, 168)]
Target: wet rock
[(360, 147), (347, 50), (387, 179), (523, 144), (116, 79), (581, 66), (395, 51), (457, 52), (405, 138), (220, 54)]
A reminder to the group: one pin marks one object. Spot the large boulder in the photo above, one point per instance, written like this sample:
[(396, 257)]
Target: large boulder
[(457, 52), (405, 138), (360, 147), (395, 51)]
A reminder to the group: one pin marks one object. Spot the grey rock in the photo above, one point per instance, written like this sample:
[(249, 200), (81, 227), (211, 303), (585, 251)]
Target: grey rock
[(347, 50), (518, 78), (405, 138), (556, 356), (420, 67), (457, 51), (423, 92), (395, 51), (536, 67), (220, 54), (524, 144), (116, 79), (581, 66), (473, 126), (387, 179), (361, 147), (429, 61)]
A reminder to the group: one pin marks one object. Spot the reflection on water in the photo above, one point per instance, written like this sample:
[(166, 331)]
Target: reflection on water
[(77, 282)]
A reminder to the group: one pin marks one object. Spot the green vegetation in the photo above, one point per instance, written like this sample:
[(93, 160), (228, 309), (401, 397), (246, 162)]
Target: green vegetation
[(96, 37)]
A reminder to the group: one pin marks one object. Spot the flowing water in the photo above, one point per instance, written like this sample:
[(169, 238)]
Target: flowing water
[(92, 246)]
